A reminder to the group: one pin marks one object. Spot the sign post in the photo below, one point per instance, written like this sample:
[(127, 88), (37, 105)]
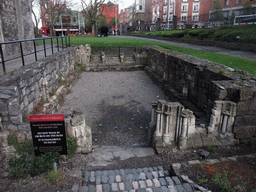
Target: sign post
[(48, 133)]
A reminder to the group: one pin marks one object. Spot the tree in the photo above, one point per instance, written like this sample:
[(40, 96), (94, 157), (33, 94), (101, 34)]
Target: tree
[(51, 11), (247, 8), (216, 11), (35, 10), (102, 21), (91, 11), (113, 21)]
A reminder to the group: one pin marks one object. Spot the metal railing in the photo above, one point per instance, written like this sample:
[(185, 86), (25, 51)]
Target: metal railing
[(55, 42)]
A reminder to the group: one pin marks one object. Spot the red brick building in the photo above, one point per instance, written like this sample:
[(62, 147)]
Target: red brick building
[(189, 13), (111, 11)]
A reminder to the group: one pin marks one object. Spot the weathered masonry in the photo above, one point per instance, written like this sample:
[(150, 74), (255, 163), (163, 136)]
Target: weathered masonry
[(226, 96), (198, 89)]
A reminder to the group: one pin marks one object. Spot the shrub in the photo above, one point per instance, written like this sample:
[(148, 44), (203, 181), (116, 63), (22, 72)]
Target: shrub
[(222, 181), (71, 145), (53, 176)]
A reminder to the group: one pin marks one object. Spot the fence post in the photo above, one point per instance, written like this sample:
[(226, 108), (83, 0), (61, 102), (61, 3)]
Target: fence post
[(62, 42), (21, 52), (2, 57), (44, 48), (52, 45), (35, 49), (58, 44)]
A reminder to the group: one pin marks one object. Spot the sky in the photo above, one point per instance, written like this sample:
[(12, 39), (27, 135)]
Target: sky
[(122, 3)]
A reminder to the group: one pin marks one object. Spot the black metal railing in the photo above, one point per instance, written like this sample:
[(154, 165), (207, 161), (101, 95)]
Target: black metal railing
[(62, 41)]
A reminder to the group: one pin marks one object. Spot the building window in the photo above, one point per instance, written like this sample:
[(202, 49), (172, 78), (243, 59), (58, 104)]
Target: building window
[(165, 11), (238, 1), (196, 8), (226, 2), (57, 19), (183, 18), (46, 16), (195, 18), (74, 19), (140, 7), (185, 1), (184, 8)]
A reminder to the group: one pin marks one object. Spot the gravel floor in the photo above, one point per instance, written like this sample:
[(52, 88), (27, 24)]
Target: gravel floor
[(117, 105)]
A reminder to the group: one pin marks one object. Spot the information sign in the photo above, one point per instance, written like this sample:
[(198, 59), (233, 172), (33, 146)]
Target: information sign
[(48, 133)]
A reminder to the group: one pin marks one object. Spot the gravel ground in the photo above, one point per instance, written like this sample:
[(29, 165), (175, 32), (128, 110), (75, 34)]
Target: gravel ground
[(117, 105)]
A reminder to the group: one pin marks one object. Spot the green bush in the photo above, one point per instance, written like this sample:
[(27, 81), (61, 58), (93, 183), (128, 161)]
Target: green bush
[(222, 181), (53, 176), (71, 145)]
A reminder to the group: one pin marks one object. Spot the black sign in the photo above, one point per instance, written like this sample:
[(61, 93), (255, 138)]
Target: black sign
[(48, 133)]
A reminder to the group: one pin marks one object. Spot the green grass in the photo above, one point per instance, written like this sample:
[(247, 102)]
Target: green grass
[(231, 61)]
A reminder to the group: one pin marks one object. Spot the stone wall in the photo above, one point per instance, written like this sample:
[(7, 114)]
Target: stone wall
[(22, 89), (16, 24), (186, 78)]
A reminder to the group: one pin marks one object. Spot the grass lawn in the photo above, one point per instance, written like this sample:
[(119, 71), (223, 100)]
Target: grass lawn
[(231, 61)]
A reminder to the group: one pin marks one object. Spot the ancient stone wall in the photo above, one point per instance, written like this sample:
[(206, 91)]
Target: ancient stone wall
[(203, 83), (16, 24), (21, 90)]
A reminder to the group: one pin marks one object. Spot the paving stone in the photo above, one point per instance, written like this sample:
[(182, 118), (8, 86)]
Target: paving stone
[(105, 173), (149, 190), (83, 189), (91, 188), (176, 166), (185, 178), (121, 186), (117, 172), (155, 169), (75, 188), (155, 174), (172, 188), (161, 173), (142, 184), (188, 187), (122, 171), (150, 169), (106, 188), (149, 175), (180, 188), (141, 190), (111, 179), (139, 170), (137, 176), (212, 161), (127, 171), (130, 177), (92, 173), (98, 180), (128, 186), (149, 183), (135, 185), (134, 170), (169, 181), (98, 173), (160, 168), (92, 179), (142, 176), (86, 176), (145, 169), (164, 189), (111, 173), (156, 189), (105, 179), (232, 158), (156, 183), (176, 180), (162, 181), (194, 162), (99, 188), (132, 190), (114, 186), (118, 178)]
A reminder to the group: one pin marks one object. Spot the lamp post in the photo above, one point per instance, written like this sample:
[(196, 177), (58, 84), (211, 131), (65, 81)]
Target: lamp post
[(116, 18), (61, 26)]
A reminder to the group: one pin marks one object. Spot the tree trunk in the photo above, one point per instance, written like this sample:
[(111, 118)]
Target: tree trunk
[(93, 28)]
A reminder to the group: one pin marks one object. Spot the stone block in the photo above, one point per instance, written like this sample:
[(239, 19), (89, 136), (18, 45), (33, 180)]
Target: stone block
[(13, 107), (245, 132), (17, 120)]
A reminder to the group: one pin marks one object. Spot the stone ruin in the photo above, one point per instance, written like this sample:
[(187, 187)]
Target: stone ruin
[(174, 126)]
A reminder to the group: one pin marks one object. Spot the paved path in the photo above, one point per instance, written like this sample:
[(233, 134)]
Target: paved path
[(236, 53)]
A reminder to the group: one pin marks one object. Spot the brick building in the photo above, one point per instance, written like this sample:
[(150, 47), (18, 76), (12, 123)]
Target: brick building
[(190, 13), (111, 11)]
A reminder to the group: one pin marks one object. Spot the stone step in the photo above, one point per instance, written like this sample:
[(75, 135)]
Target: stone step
[(137, 179)]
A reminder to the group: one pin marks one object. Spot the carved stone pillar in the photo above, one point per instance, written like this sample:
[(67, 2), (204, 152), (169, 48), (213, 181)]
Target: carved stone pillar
[(167, 137), (160, 118), (121, 56), (152, 124), (45, 92), (184, 130), (215, 117)]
